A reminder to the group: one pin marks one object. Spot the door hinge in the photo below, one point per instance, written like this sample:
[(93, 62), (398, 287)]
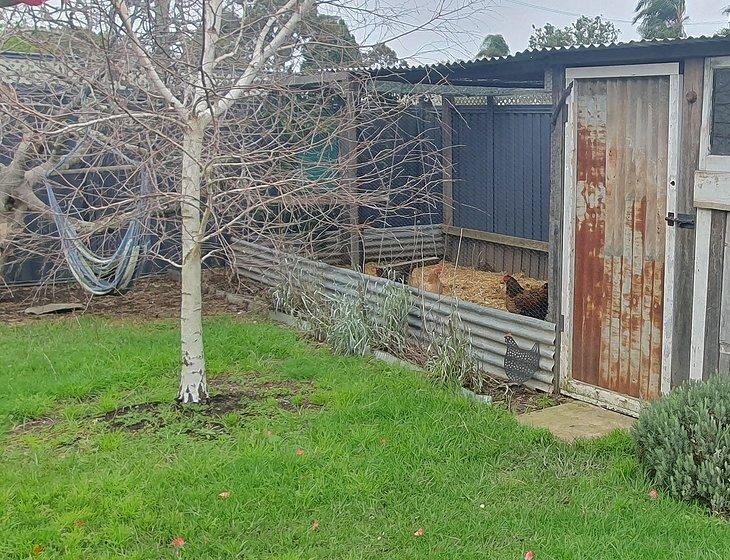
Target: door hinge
[(686, 221), (561, 323)]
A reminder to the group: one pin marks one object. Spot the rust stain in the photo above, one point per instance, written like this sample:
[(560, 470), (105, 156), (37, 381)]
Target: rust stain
[(618, 300), (589, 242), (657, 328)]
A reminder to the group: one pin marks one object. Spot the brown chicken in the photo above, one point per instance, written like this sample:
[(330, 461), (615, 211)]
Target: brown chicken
[(531, 303), (429, 281)]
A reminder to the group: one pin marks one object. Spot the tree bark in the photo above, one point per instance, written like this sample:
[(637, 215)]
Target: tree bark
[(193, 382)]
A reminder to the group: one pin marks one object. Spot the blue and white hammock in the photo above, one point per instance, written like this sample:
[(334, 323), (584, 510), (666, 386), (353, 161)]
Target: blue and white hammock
[(96, 274)]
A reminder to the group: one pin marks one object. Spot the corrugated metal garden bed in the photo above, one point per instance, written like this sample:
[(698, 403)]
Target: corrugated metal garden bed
[(485, 327)]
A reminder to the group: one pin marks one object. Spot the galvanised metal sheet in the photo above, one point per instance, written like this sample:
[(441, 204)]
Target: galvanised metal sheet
[(485, 327), (410, 243), (622, 147)]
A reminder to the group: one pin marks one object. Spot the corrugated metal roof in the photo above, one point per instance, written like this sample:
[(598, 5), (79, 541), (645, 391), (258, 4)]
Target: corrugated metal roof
[(547, 52)]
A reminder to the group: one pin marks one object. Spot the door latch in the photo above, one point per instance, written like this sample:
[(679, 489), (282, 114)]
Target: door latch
[(686, 221)]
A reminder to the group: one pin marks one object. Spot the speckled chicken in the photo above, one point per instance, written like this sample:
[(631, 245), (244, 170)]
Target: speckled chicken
[(531, 303)]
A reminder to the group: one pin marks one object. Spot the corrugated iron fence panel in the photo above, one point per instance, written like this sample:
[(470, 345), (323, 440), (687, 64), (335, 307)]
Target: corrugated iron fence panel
[(501, 160), (502, 170), (386, 245), (486, 327), (521, 176), (379, 245)]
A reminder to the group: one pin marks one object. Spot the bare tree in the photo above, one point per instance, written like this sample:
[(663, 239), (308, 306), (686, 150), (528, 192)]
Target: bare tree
[(191, 110)]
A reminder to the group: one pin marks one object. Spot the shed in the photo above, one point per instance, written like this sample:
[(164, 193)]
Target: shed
[(633, 233)]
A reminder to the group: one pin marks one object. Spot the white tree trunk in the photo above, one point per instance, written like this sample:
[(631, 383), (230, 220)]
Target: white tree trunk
[(5, 233), (193, 383)]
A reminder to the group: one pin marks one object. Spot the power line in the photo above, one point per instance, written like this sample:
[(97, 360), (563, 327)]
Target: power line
[(615, 20)]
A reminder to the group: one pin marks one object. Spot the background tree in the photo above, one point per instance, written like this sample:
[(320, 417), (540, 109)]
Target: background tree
[(329, 44), (493, 45), (551, 36), (381, 54), (583, 31), (725, 31), (661, 19), (180, 116)]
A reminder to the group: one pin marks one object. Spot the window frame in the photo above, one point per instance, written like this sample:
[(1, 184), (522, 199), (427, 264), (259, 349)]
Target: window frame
[(708, 161)]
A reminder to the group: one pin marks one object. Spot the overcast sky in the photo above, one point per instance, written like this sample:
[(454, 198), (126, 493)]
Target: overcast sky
[(514, 20)]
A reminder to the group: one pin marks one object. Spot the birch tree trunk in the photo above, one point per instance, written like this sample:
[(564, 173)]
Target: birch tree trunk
[(193, 383)]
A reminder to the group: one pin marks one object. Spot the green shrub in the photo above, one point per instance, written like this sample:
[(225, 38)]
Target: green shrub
[(683, 442), (390, 319), (349, 331), (451, 356), (303, 297)]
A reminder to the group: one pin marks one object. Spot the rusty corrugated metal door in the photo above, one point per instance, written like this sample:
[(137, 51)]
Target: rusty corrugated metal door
[(622, 146)]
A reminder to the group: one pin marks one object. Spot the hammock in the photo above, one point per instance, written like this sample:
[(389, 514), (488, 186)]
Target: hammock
[(96, 274)]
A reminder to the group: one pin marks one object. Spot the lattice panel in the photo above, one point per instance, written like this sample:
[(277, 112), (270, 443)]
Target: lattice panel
[(523, 99), (472, 101)]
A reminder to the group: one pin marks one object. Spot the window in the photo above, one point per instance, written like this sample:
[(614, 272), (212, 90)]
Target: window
[(720, 127), (715, 132)]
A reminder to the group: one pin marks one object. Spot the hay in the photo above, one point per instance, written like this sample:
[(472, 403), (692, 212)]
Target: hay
[(479, 286)]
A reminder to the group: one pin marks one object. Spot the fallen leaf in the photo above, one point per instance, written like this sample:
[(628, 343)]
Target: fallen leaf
[(269, 433), (178, 542), (529, 555), (38, 550), (482, 506), (80, 522), (653, 494), (225, 495), (419, 532), (315, 525), (299, 451)]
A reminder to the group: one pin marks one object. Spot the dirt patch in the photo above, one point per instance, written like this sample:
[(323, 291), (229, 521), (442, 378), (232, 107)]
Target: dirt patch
[(32, 426), (519, 399), (227, 408), (154, 297)]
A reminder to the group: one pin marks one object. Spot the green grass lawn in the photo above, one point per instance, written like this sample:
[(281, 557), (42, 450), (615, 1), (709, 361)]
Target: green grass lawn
[(384, 454)]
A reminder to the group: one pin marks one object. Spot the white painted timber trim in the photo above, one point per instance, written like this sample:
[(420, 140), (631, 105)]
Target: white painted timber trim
[(699, 307), (712, 190), (725, 303), (708, 162), (675, 125), (628, 71), (603, 397), (569, 180)]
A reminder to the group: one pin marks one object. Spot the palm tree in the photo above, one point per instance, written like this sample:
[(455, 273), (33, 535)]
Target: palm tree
[(661, 19)]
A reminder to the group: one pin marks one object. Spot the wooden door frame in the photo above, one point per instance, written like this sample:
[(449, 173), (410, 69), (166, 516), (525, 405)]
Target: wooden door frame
[(578, 389), (708, 196)]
